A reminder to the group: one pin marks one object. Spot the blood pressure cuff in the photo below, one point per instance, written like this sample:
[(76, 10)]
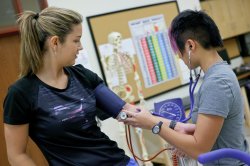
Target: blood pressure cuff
[(108, 101)]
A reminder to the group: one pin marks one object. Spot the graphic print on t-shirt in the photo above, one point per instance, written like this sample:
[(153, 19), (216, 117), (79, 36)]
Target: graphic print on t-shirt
[(71, 109)]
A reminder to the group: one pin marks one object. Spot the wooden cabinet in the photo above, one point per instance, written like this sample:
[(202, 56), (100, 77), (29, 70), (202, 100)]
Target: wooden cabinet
[(246, 8), (232, 47), (217, 10), (238, 21), (231, 16)]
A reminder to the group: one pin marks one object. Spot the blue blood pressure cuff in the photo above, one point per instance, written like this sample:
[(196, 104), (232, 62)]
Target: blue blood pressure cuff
[(108, 101)]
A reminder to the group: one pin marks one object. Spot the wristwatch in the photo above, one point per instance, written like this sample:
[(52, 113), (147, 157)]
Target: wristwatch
[(157, 128)]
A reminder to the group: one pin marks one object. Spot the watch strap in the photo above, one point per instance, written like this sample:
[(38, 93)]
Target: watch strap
[(160, 124)]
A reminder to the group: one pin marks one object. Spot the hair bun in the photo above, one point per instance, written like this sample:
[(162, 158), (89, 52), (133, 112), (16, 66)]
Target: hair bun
[(36, 16)]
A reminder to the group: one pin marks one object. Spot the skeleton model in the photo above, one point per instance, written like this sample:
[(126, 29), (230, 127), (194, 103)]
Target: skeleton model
[(117, 65)]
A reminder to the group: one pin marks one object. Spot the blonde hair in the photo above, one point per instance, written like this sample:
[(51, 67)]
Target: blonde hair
[(35, 28)]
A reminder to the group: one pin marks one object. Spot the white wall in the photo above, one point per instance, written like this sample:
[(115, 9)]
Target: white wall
[(94, 7)]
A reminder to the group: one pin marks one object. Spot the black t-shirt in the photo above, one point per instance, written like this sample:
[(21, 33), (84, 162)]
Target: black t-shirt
[(62, 121)]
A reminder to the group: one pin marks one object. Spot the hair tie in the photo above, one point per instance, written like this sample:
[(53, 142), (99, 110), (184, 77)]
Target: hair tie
[(36, 16)]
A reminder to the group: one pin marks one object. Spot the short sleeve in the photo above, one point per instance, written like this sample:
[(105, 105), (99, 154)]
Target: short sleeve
[(216, 98), (89, 75), (16, 107), (93, 81)]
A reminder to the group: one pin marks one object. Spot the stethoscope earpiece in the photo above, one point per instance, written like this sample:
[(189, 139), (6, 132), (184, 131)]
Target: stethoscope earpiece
[(189, 54), (189, 61)]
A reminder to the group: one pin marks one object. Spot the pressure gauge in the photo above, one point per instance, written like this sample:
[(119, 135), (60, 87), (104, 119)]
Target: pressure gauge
[(171, 109)]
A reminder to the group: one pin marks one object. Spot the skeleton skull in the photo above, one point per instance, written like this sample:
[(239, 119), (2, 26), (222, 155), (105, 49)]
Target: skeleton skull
[(115, 38)]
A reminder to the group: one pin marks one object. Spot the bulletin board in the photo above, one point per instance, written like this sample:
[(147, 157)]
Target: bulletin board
[(144, 39)]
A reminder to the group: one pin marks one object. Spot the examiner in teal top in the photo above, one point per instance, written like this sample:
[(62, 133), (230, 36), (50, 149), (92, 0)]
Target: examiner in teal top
[(218, 110)]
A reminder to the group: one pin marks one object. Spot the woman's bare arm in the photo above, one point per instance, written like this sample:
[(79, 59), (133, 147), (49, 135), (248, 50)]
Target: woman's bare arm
[(16, 137)]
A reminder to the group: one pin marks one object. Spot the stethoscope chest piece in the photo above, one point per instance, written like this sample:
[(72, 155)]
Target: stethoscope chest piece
[(123, 115)]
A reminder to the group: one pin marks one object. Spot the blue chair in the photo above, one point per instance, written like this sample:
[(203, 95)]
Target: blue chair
[(224, 153)]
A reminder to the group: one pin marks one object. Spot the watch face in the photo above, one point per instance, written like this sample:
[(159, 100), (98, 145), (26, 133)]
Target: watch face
[(156, 129), (171, 110)]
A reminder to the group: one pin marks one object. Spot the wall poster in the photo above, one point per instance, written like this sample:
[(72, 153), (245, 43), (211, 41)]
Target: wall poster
[(134, 51)]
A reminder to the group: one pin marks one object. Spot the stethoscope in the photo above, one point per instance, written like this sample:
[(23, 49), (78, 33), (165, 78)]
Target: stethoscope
[(192, 85)]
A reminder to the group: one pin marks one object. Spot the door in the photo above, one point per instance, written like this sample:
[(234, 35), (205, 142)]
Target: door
[(9, 70)]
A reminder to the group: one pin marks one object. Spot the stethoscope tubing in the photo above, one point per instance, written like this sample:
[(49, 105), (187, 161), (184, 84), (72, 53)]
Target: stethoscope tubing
[(191, 95), (191, 88)]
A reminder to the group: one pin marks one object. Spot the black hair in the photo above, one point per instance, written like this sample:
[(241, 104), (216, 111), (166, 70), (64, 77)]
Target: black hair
[(196, 25)]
